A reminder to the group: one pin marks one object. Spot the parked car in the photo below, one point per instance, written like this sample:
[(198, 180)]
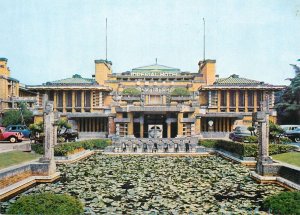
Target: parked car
[(240, 133), (19, 128), (10, 136), (289, 127), (69, 135), (294, 135)]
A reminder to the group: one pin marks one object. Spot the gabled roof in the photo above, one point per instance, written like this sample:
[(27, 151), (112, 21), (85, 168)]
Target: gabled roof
[(75, 80), (236, 80), (156, 67)]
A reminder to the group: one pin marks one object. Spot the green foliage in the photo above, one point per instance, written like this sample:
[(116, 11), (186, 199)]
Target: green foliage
[(37, 148), (284, 140), (62, 123), (20, 116), (251, 139), (275, 131), (37, 127), (245, 149), (251, 129), (66, 148), (180, 91), (283, 203), (131, 92), (46, 204), (288, 107)]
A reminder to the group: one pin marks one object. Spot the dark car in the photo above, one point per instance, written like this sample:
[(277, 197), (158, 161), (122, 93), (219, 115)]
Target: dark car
[(19, 128), (294, 135), (240, 133), (69, 135)]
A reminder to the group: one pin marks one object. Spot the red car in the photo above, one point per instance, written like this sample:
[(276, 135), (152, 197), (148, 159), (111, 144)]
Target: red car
[(10, 136)]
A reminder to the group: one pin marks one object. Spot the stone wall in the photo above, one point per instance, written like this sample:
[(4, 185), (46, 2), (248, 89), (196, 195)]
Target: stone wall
[(12, 175)]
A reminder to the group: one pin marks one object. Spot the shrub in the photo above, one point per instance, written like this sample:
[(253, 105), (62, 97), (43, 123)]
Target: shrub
[(284, 140), (245, 149), (131, 92), (37, 148), (283, 203), (180, 91), (67, 148), (251, 139), (46, 203)]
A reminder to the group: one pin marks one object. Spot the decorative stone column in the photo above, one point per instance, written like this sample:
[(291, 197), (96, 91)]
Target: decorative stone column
[(50, 130), (263, 159)]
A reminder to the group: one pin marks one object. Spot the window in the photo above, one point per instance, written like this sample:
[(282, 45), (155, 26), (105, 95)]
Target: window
[(187, 129), (223, 98), (241, 98), (232, 98), (250, 98)]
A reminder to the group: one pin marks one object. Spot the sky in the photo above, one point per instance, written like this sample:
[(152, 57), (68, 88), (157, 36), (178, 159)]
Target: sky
[(51, 40)]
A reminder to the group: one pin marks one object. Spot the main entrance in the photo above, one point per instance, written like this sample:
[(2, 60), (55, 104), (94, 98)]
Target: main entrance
[(156, 125)]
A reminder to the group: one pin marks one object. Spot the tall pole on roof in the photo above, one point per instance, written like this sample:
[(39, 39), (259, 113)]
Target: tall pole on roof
[(106, 39), (203, 39), (155, 60)]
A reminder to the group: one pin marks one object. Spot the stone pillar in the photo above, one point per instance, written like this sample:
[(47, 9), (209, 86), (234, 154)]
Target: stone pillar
[(142, 126), (179, 125), (130, 124), (73, 101), (255, 101), (169, 129), (111, 126), (82, 101), (246, 101), (263, 159), (237, 101), (219, 100), (50, 130)]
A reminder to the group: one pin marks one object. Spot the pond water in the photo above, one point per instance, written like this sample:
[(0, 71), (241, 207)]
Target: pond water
[(159, 185)]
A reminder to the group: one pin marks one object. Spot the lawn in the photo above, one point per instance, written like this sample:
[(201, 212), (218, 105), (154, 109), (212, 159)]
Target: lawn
[(289, 157), (15, 157)]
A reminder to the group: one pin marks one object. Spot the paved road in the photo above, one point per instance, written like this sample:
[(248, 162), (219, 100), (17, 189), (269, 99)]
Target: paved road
[(7, 146)]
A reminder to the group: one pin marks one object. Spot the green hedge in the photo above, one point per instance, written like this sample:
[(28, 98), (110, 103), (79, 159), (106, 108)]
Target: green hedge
[(283, 203), (245, 149), (65, 148), (46, 204)]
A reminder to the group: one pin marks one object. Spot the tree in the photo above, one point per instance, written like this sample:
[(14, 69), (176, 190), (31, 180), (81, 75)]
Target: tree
[(252, 130), (288, 107), (21, 116)]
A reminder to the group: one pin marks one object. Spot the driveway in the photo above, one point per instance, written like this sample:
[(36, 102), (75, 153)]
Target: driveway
[(7, 146)]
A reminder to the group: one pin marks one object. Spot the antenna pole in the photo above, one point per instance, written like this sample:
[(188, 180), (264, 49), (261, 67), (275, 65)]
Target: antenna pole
[(203, 39), (106, 39)]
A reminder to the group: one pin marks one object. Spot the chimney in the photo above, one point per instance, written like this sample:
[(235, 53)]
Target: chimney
[(102, 70), (4, 70), (208, 69)]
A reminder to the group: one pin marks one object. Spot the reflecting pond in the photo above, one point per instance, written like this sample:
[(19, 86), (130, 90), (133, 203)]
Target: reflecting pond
[(112, 184)]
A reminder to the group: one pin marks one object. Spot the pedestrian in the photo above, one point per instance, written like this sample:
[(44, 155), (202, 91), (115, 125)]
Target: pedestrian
[(187, 147), (176, 146), (155, 148), (145, 147), (123, 146), (166, 147), (134, 147)]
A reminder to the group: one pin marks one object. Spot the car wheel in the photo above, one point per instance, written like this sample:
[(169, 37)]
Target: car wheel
[(297, 139), (12, 139)]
